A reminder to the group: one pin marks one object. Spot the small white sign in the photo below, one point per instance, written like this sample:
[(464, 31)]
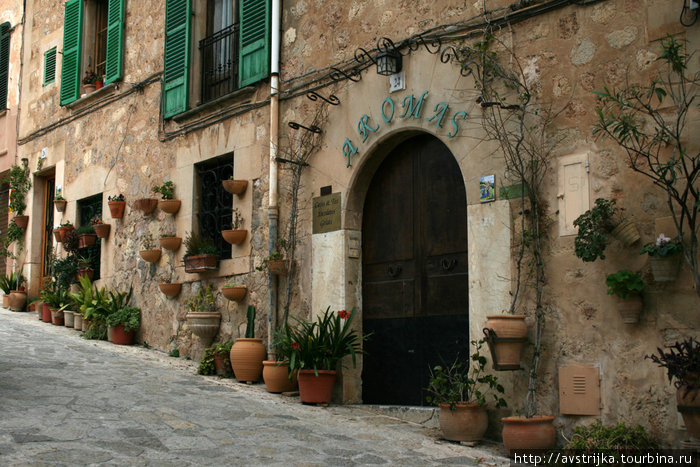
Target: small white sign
[(397, 82), (44, 152), (353, 248)]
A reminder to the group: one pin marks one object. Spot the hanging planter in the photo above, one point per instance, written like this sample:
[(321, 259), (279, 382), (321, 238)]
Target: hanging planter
[(665, 269), (278, 267), (102, 230), (201, 263), (235, 187), (21, 221), (204, 325), (505, 335), (236, 293), (86, 240), (146, 205), (57, 235), (60, 204), (171, 206), (116, 209), (234, 237), (170, 243), (63, 230), (168, 203), (150, 255), (626, 232), (170, 288)]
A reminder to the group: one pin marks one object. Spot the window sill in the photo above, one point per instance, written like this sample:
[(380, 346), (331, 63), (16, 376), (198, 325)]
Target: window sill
[(86, 99), (242, 95), (3, 112)]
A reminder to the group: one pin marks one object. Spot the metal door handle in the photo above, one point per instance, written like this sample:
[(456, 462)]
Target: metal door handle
[(393, 271), (448, 264)]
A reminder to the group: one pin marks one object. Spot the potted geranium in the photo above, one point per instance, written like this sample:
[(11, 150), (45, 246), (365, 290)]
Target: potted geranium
[(237, 234), (664, 255), (316, 349), (627, 286), (248, 353), (201, 254), (682, 362), (461, 390), (235, 187), (202, 316), (117, 204), (168, 203), (596, 224)]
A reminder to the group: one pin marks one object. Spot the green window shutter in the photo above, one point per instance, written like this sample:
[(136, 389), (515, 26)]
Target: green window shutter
[(49, 66), (254, 51), (4, 63), (176, 67), (72, 39), (115, 40)]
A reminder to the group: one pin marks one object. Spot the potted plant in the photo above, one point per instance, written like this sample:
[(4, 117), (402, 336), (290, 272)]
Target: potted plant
[(60, 203), (7, 284), (149, 252), (627, 286), (234, 292), (18, 296), (596, 224), (248, 353), (117, 204), (612, 440), (57, 298), (168, 287), (168, 203), (19, 183), (64, 228), (101, 229), (69, 308), (146, 205), (202, 316), (461, 390), (124, 321), (99, 82), (275, 261), (316, 350), (86, 236), (170, 241), (236, 235), (505, 336), (664, 256), (682, 362), (221, 354), (276, 374), (85, 269), (89, 81), (235, 187), (201, 254)]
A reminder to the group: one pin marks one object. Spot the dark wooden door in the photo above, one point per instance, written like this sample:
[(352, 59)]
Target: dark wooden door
[(414, 271)]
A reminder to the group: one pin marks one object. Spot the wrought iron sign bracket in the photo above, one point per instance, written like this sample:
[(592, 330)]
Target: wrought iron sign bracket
[(332, 99), (312, 128), (289, 161)]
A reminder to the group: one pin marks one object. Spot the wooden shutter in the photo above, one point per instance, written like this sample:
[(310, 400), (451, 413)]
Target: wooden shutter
[(72, 39), (4, 63), (254, 55), (573, 191), (49, 66), (176, 69), (115, 40)]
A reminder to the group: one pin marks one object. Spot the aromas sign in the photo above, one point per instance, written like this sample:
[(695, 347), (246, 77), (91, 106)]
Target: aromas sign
[(411, 108)]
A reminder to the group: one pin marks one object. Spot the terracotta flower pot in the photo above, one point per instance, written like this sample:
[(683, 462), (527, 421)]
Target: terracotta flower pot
[(235, 187), (150, 255), (6, 300), (689, 406), (63, 230), (467, 422), (87, 272), (68, 318), (86, 240), (627, 232), (17, 300), (278, 267), (171, 288), (235, 294), (204, 325), (116, 209), (520, 433), (665, 269), (146, 205), (201, 263), (121, 337), (86, 325), (316, 389), (102, 230), (170, 243), (171, 206), (276, 377), (60, 204), (57, 235), (247, 355), (234, 237), (78, 321), (45, 313), (21, 221), (222, 365), (511, 327), (57, 317), (89, 88), (630, 308)]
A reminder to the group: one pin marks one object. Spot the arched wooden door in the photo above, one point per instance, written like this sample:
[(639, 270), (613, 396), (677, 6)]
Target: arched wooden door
[(414, 271)]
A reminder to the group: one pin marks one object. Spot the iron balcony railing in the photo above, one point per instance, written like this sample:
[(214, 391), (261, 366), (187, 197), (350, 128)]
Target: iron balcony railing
[(219, 54)]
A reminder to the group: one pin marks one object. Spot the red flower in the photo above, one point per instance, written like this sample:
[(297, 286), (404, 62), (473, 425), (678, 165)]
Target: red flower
[(295, 345), (343, 314)]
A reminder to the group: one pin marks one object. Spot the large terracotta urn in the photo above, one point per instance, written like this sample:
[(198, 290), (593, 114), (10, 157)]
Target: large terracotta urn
[(521, 433), (247, 355), (276, 377), (505, 335), (467, 422)]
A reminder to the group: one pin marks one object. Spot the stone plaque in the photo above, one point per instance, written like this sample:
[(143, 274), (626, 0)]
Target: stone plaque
[(326, 213)]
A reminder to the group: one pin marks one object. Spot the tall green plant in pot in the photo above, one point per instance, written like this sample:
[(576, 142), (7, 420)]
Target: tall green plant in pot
[(19, 181), (627, 286), (248, 353)]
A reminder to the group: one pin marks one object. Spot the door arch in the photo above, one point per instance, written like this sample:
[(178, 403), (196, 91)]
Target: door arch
[(414, 270)]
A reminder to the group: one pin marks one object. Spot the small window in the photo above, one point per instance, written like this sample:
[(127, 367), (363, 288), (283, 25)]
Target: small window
[(4, 63), (87, 209), (215, 204), (49, 66)]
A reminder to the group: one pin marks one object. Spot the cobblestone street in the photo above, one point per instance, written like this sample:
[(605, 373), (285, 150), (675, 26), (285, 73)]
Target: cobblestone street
[(69, 401)]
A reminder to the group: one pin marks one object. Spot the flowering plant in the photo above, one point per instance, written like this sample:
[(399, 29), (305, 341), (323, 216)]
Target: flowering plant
[(321, 344), (119, 197), (663, 247), (202, 301)]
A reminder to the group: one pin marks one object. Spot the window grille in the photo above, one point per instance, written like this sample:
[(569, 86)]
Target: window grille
[(215, 204)]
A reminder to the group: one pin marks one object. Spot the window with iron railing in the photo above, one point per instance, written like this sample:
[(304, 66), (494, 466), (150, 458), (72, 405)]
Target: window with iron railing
[(215, 204), (87, 209), (219, 53)]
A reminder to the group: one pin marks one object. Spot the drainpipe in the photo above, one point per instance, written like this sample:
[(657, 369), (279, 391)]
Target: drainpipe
[(273, 207)]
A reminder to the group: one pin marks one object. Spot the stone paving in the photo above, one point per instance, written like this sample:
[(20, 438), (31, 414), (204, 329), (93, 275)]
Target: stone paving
[(68, 401)]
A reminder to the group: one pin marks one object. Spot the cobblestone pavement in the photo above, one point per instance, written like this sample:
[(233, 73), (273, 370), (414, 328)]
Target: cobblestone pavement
[(68, 401)]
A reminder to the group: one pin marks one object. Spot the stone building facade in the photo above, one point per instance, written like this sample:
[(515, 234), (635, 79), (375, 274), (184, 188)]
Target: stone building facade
[(388, 211)]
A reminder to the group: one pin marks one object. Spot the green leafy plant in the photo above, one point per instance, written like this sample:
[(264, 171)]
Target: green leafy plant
[(14, 234), (663, 247), (197, 245), (20, 183), (11, 282), (63, 270), (58, 197), (85, 229), (127, 316), (594, 227), (462, 382), (166, 190), (66, 224), (206, 364), (175, 353), (232, 282), (168, 235), (278, 254), (682, 362), (624, 283), (321, 344), (202, 301), (96, 331), (611, 438)]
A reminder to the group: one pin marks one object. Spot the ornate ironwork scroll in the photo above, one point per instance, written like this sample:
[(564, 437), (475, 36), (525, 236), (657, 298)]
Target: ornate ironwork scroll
[(331, 99), (312, 128)]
